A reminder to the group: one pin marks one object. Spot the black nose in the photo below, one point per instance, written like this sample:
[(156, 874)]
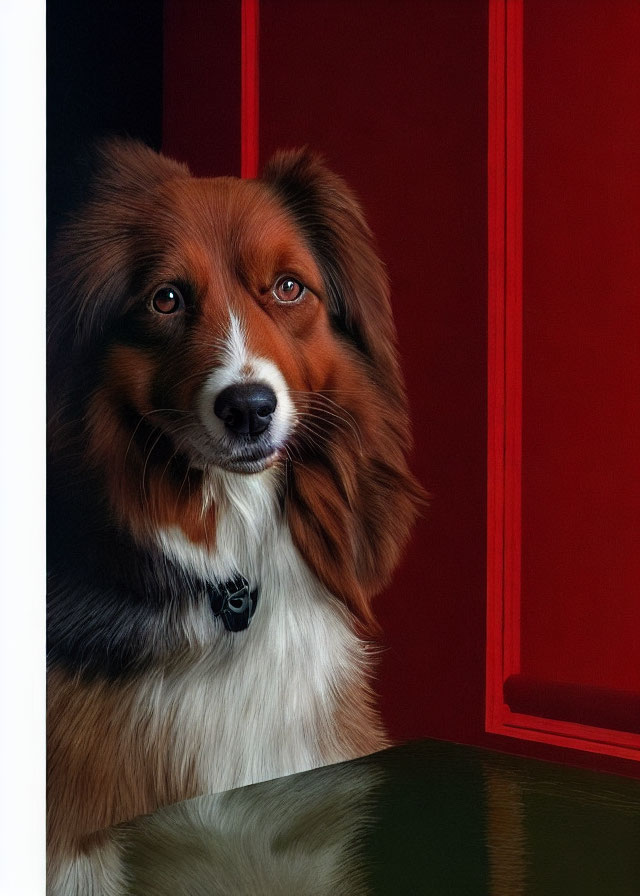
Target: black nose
[(246, 408)]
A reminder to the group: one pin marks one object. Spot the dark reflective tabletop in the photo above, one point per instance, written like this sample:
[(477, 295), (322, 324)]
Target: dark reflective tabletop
[(424, 818)]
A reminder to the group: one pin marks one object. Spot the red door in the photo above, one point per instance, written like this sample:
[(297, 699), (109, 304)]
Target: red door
[(564, 491)]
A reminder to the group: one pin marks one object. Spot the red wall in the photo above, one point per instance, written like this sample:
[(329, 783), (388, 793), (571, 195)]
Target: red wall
[(581, 403), (394, 93), (201, 95)]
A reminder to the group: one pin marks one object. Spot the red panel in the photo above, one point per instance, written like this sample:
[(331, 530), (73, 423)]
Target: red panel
[(249, 110), (393, 92), (202, 78), (581, 437)]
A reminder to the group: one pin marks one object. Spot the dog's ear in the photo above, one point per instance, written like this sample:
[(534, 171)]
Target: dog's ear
[(333, 225), (350, 507), (128, 168), (92, 263)]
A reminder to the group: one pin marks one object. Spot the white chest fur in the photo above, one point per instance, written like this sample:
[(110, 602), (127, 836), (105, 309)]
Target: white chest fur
[(260, 703)]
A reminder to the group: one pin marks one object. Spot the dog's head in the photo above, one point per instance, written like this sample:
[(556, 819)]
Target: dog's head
[(202, 325)]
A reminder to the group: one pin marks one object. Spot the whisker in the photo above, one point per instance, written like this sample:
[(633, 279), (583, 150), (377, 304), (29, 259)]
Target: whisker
[(337, 417), (289, 448), (146, 462), (342, 410), (311, 438), (172, 458), (313, 429), (140, 421), (322, 392), (181, 442), (189, 376)]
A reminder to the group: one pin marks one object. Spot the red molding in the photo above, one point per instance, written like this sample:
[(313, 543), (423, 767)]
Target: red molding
[(504, 471), (513, 131), (249, 104), (504, 528), (582, 704), (496, 392)]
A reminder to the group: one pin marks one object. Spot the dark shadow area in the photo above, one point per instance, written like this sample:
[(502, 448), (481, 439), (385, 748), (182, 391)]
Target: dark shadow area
[(104, 76)]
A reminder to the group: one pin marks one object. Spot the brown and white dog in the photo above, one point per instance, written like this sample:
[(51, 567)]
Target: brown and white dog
[(228, 434)]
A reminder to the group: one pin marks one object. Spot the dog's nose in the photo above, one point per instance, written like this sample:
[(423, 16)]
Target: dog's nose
[(246, 408)]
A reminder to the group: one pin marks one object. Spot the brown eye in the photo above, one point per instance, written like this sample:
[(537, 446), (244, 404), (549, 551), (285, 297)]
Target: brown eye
[(287, 289), (167, 299)]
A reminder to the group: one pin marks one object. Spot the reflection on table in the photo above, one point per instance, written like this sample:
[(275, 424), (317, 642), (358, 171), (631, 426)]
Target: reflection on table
[(425, 818)]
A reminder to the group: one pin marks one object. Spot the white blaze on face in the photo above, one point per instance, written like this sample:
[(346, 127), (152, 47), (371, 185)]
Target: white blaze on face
[(238, 366)]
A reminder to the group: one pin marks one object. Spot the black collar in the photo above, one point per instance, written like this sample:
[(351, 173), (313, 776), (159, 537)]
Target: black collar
[(234, 602)]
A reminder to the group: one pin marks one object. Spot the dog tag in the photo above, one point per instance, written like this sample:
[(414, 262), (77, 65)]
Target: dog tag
[(234, 602)]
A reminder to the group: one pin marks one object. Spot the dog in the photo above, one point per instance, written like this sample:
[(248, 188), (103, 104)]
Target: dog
[(228, 489)]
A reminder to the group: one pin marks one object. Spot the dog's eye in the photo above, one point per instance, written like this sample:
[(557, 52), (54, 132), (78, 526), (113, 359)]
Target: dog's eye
[(288, 289), (167, 299)]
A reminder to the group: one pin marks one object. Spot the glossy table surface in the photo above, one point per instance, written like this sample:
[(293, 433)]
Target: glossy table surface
[(424, 818)]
